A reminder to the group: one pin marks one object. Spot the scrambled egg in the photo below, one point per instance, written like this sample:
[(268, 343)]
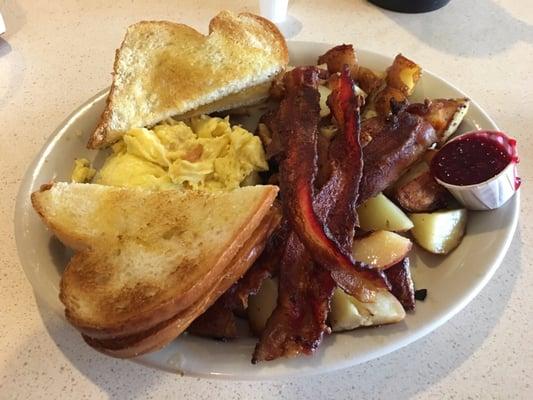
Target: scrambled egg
[(82, 171), (206, 153)]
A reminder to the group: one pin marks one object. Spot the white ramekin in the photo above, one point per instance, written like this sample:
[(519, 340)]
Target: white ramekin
[(496, 191)]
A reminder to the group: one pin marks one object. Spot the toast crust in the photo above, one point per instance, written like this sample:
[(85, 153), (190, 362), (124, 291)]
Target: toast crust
[(142, 308), (174, 84), (160, 335)]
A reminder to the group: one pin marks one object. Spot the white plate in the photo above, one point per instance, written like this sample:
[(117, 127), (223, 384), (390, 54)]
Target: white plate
[(451, 281)]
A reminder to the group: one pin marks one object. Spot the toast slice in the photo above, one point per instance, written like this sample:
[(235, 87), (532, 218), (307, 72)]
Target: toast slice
[(143, 256), (166, 331), (165, 69)]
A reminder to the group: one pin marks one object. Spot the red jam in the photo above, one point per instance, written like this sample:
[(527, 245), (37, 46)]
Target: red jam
[(471, 159)]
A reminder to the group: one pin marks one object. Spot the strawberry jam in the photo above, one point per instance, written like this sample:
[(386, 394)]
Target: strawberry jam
[(472, 159)]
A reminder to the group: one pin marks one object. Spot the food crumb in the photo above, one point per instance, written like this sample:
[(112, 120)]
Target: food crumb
[(421, 294)]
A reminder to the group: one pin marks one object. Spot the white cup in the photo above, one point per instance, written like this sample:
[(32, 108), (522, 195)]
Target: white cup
[(2, 25), (494, 192), (274, 10)]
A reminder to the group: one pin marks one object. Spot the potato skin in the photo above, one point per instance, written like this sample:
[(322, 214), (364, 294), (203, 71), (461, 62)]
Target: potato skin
[(402, 286), (348, 313), (445, 115), (403, 75), (368, 81), (399, 83), (382, 101), (339, 56), (422, 194)]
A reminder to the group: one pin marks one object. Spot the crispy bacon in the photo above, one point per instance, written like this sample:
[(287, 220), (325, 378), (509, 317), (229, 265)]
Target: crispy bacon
[(371, 127), (217, 322), (400, 144), (267, 265), (298, 323), (298, 117), (273, 146), (346, 162), (402, 286)]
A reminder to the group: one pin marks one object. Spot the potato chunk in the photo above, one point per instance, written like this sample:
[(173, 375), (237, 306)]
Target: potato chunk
[(379, 213), (382, 101), (412, 173), (403, 75), (262, 304), (445, 115), (381, 249), (339, 56), (368, 80), (324, 94), (439, 232), (422, 194), (348, 313)]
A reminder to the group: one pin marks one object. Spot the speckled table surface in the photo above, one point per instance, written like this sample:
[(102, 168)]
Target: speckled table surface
[(56, 54)]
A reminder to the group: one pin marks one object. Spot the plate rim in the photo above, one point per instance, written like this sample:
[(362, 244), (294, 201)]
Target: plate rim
[(22, 203)]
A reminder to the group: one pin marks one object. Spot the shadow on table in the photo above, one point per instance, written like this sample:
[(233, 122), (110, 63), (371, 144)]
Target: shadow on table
[(424, 362), (98, 368), (14, 76), (5, 47), (14, 16), (468, 28)]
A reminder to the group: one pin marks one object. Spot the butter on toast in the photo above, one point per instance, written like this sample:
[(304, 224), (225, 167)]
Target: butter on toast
[(144, 256), (166, 69)]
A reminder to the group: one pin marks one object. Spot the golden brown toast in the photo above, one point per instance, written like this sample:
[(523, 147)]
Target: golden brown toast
[(143, 256), (165, 69), (164, 332)]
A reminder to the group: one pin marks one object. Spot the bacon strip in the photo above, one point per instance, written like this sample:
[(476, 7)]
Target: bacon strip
[(401, 143), (217, 322), (298, 323), (266, 266), (402, 286), (298, 118), (346, 160)]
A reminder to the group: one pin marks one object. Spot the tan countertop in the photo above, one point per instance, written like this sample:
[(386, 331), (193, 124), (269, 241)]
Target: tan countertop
[(57, 54)]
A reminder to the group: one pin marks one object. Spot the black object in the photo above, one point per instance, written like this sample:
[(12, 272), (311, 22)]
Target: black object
[(421, 294), (411, 6)]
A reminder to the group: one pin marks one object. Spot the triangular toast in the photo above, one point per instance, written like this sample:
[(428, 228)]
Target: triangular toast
[(164, 332), (165, 69), (143, 256)]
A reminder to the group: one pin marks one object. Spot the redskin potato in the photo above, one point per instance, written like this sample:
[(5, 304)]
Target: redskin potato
[(403, 75), (382, 101), (339, 56), (368, 80)]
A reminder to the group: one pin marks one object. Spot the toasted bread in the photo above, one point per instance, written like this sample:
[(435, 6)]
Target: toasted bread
[(143, 256), (164, 332), (165, 69)]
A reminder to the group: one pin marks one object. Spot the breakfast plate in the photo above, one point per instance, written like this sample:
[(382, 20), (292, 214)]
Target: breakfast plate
[(452, 281)]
